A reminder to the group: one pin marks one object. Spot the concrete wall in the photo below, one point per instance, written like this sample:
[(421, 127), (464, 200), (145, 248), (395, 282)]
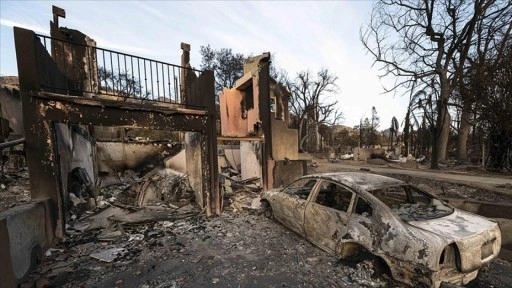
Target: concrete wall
[(284, 141), (177, 162), (287, 171), (77, 62), (232, 122), (194, 164), (25, 233), (231, 156), (252, 154), (120, 156)]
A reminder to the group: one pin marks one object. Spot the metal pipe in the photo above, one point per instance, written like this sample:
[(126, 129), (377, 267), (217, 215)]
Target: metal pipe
[(12, 143)]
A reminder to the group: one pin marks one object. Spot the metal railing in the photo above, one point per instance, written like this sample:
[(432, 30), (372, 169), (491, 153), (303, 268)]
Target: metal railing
[(100, 71)]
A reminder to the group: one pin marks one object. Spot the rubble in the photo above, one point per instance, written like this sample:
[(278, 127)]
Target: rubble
[(313, 164), (158, 254), (234, 249), (15, 189), (159, 186), (347, 156), (109, 255)]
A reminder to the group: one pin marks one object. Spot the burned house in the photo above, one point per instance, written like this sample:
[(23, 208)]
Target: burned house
[(255, 113), (86, 115), (88, 112)]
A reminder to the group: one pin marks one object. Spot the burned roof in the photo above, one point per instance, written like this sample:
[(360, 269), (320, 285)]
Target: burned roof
[(367, 181)]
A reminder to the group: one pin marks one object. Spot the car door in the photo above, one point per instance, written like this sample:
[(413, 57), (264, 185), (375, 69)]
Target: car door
[(360, 226), (327, 214), (291, 204)]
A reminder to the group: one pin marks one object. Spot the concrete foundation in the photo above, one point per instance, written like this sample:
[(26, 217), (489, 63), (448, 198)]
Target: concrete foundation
[(25, 233)]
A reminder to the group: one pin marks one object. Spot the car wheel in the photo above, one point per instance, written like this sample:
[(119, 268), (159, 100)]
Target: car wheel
[(378, 265), (267, 210)]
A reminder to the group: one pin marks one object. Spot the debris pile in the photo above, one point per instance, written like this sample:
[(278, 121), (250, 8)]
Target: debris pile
[(114, 239), (364, 275), (240, 194), (159, 187), (116, 221), (157, 196), (145, 231), (347, 156), (14, 189), (234, 249)]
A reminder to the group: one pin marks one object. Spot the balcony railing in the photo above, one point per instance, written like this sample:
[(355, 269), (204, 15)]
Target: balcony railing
[(100, 71)]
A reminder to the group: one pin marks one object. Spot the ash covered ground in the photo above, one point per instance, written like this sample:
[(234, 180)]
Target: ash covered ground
[(234, 250), (240, 248)]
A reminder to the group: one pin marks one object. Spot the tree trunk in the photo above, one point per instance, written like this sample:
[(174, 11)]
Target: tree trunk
[(442, 121), (316, 137), (300, 132), (444, 136), (434, 164), (406, 133), (462, 140), (304, 139)]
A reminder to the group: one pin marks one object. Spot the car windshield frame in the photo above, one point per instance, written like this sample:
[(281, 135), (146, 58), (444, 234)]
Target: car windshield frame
[(300, 192)]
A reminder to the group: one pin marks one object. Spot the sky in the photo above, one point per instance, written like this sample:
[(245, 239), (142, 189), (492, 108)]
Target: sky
[(301, 35)]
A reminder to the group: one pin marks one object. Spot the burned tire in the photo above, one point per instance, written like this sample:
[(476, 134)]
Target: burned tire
[(367, 261), (266, 210)]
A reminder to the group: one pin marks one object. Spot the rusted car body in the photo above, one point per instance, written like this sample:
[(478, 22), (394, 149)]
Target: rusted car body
[(423, 240)]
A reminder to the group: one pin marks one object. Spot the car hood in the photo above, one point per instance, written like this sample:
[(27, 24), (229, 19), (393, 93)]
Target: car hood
[(456, 226)]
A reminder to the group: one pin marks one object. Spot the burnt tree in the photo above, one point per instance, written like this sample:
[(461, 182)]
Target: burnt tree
[(426, 40)]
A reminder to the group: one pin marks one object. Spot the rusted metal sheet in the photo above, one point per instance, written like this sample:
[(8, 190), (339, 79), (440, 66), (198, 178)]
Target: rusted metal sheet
[(429, 249)]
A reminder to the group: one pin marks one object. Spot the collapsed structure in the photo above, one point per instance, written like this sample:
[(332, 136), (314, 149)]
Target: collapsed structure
[(255, 113), (78, 101), (87, 112)]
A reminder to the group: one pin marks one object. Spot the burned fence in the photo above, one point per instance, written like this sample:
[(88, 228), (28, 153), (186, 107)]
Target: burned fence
[(93, 70)]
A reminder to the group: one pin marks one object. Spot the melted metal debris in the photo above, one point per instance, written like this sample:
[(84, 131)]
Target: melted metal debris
[(415, 212)]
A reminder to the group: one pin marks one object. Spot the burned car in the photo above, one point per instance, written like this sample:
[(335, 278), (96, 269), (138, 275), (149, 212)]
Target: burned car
[(421, 239)]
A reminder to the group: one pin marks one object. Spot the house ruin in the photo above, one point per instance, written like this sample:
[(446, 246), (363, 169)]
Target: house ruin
[(100, 111), (255, 113), (84, 112)]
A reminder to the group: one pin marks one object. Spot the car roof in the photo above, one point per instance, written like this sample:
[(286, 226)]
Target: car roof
[(366, 181)]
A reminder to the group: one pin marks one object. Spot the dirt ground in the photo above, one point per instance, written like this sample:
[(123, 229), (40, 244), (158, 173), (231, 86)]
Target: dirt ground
[(240, 248)]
